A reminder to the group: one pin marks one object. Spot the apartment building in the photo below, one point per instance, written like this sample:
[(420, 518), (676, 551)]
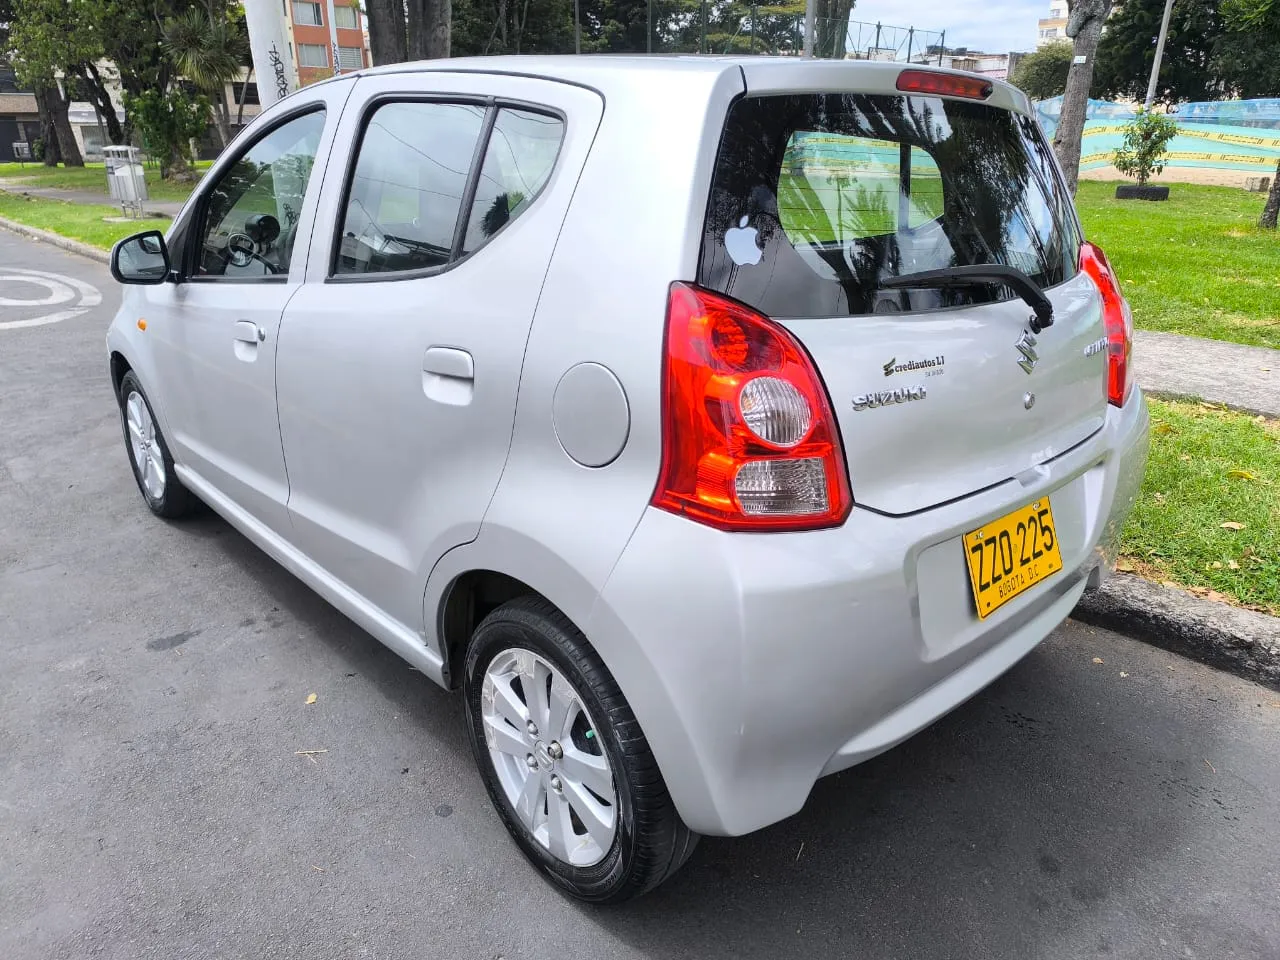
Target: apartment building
[(1054, 26), (311, 39)]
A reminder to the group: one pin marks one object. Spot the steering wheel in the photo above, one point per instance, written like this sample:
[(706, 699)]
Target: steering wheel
[(241, 250)]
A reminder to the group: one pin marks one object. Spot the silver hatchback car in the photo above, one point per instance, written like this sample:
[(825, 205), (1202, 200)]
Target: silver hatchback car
[(714, 424)]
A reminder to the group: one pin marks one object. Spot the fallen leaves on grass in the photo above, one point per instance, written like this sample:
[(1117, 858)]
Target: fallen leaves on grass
[(1232, 525), (1241, 475), (1162, 428)]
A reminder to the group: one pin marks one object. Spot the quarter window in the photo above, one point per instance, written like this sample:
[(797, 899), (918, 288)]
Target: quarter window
[(517, 164), (251, 213)]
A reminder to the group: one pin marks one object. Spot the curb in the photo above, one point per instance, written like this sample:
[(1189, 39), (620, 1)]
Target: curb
[(1239, 641), (66, 243), (1194, 398)]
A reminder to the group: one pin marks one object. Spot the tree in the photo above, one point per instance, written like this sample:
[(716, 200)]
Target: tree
[(1127, 50), (482, 27), (1246, 54), (45, 44), (1262, 16), (168, 121), (209, 49), (1146, 142), (1084, 26), (1043, 74)]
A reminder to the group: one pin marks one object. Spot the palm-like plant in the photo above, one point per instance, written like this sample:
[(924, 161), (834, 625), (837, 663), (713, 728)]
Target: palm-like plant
[(208, 49)]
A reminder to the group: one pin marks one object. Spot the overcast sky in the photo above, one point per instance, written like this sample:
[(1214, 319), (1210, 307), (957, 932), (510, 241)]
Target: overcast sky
[(995, 26)]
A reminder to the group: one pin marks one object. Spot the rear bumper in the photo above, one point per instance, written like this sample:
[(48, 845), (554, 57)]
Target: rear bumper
[(758, 663)]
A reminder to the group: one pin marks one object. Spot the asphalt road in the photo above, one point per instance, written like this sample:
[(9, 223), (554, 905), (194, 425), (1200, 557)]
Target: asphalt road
[(153, 802)]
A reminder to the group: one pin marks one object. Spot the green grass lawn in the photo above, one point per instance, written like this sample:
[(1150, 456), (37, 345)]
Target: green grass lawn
[(1197, 264), (92, 176), (76, 220), (1209, 467)]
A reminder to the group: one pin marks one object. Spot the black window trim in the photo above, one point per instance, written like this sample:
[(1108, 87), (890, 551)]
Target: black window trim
[(195, 240), (492, 105)]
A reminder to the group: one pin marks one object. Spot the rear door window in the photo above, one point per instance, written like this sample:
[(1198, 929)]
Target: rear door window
[(817, 198), (435, 181)]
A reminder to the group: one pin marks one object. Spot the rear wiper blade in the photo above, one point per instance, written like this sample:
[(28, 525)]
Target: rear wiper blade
[(982, 273)]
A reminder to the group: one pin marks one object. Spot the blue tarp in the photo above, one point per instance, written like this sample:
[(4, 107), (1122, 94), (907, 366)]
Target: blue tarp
[(1241, 135)]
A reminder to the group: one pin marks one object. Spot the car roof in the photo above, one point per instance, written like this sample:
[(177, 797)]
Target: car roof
[(606, 72)]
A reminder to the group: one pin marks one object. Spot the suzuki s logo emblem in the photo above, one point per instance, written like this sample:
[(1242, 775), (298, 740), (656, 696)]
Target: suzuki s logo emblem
[(1026, 346)]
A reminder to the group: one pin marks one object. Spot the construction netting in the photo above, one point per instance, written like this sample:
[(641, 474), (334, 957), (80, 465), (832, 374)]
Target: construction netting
[(1239, 135)]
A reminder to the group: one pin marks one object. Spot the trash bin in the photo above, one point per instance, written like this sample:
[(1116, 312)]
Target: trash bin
[(126, 179)]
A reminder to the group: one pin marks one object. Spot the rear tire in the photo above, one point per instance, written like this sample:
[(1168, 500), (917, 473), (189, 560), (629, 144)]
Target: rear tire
[(149, 454), (529, 638)]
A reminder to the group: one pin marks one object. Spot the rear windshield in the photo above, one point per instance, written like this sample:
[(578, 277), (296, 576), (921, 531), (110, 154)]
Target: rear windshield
[(818, 198)]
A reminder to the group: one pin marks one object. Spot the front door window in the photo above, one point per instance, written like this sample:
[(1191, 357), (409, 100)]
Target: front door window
[(252, 212)]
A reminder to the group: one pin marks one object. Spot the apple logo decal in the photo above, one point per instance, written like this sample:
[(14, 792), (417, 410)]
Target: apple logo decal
[(740, 244)]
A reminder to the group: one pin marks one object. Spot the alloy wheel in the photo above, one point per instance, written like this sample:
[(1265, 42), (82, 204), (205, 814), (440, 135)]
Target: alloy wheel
[(548, 757)]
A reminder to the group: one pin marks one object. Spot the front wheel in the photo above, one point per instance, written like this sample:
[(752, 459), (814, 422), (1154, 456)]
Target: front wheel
[(564, 759), (149, 454)]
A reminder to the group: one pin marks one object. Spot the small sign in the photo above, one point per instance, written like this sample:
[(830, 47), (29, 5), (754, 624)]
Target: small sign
[(1080, 59)]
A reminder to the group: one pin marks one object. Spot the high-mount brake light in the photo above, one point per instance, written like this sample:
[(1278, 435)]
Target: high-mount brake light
[(944, 84), (749, 441), (1117, 319)]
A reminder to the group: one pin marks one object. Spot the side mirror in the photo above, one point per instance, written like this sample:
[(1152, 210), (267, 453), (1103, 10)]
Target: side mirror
[(142, 258)]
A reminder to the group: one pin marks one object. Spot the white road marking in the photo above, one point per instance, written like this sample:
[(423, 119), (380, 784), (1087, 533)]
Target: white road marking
[(61, 289)]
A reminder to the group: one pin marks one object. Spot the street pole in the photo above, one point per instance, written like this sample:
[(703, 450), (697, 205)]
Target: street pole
[(702, 37), (810, 15), (577, 29), (942, 46), (333, 39), (648, 37), (270, 51), (1155, 67)]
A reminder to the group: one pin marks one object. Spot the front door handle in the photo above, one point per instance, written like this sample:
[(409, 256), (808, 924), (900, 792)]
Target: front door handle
[(249, 332)]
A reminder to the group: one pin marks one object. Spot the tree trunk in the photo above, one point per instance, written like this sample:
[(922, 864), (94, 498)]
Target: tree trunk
[(416, 23), (102, 99), (429, 28), (49, 155), (1272, 209), (437, 20), (221, 116), (386, 31), (59, 127), (244, 93), (1086, 20)]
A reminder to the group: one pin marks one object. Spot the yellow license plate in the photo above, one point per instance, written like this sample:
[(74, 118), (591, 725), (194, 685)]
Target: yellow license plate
[(1011, 554)]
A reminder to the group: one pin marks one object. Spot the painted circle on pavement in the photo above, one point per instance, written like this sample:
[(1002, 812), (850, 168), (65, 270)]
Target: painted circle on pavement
[(72, 296)]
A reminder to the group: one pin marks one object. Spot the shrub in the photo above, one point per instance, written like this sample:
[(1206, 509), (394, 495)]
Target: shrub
[(1146, 143)]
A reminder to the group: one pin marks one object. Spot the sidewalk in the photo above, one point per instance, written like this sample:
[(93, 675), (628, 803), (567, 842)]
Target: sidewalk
[(169, 208), (1246, 378)]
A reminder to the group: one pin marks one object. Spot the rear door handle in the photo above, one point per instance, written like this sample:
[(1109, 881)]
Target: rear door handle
[(449, 362), (249, 332), (448, 375)]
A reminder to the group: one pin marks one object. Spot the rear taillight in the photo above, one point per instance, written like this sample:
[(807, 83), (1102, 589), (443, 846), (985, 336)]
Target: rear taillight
[(944, 84), (749, 441), (1117, 320)]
